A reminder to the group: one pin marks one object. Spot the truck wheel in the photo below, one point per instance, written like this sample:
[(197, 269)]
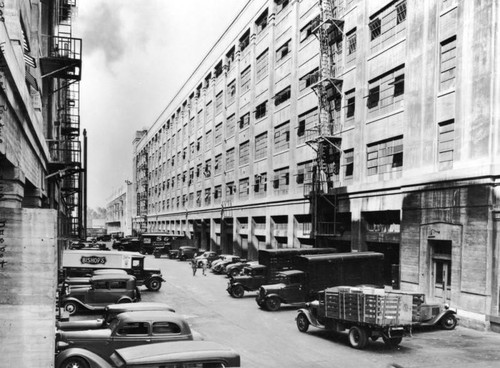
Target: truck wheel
[(74, 362), (71, 307), (357, 337), (237, 291), (302, 322), (235, 272), (154, 285), (272, 303), (448, 322), (394, 341)]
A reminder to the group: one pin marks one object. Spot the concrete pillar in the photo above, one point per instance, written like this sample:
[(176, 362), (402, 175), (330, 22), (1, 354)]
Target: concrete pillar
[(11, 187)]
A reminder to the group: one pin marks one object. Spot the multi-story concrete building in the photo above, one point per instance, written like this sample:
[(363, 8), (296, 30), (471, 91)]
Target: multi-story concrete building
[(367, 125), (40, 170), (119, 210)]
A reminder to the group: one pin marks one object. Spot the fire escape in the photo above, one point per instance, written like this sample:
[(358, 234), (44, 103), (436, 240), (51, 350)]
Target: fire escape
[(61, 68), (143, 190), (325, 137)]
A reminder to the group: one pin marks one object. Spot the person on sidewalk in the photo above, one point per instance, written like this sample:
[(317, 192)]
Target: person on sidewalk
[(194, 266), (204, 266)]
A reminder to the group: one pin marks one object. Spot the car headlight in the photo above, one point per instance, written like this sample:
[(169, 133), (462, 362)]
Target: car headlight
[(61, 345), (446, 306)]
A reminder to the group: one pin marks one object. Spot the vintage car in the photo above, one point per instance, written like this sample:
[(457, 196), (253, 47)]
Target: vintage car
[(220, 267), (199, 354), (188, 252), (101, 291), (251, 279), (110, 312), (221, 258), (127, 329), (208, 255), (234, 269)]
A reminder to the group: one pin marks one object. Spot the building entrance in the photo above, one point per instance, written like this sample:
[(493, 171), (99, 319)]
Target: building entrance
[(440, 268)]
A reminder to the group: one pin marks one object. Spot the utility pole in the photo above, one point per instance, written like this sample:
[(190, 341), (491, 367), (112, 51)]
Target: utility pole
[(84, 189)]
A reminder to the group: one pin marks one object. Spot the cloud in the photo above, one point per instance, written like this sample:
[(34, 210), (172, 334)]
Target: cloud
[(102, 33)]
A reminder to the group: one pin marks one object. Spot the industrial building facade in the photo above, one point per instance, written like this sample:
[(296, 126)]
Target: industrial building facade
[(364, 125), (40, 170)]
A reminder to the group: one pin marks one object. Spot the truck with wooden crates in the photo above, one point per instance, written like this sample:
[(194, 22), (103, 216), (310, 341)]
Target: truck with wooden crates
[(366, 312)]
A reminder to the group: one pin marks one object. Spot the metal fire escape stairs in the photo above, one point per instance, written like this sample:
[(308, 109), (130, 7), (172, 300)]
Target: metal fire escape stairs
[(325, 137), (142, 198), (61, 62)]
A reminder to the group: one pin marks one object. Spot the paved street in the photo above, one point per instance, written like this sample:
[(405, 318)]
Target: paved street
[(271, 339)]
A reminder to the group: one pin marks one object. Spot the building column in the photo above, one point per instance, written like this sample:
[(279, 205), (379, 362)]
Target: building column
[(11, 187)]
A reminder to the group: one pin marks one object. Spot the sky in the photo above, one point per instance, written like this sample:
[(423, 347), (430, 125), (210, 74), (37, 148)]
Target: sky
[(136, 56)]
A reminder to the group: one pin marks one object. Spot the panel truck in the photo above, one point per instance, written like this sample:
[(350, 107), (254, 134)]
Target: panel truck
[(317, 272), (271, 262), (366, 312), (78, 263)]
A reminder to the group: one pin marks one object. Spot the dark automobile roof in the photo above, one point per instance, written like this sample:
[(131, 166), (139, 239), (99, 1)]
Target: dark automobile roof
[(179, 351), (135, 307), (107, 277)]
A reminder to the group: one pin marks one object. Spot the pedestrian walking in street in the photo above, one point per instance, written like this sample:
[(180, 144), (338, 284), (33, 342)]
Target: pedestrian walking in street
[(204, 266), (194, 266)]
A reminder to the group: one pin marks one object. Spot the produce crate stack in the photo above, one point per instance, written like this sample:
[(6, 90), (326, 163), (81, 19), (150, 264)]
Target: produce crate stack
[(369, 305)]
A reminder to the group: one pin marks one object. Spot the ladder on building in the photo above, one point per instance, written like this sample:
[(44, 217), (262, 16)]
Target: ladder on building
[(325, 137)]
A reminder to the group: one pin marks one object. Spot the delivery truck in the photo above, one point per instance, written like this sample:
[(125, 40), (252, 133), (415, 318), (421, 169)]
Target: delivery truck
[(82, 263), (317, 272), (271, 262)]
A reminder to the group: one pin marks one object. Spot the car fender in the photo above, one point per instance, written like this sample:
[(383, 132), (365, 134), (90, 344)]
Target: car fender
[(125, 299), (154, 277), (273, 295), (91, 358), (444, 313), (79, 302), (309, 316)]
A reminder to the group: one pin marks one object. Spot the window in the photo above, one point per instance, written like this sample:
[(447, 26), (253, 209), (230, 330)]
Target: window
[(209, 111), (305, 172), (198, 144), (230, 159), (282, 96), (244, 121), (283, 51), (448, 63), (385, 156), (161, 328), (260, 184), (218, 134), (245, 80), (208, 140), (208, 196), (307, 122), (245, 40), (309, 79), (218, 70), (350, 104), (230, 189), (281, 4), (243, 189), (351, 46), (348, 163), (261, 22), (261, 146), (134, 328), (207, 172), (374, 28), (281, 180), (231, 92), (401, 12), (282, 137), (198, 198), (218, 164), (309, 28), (230, 125), (217, 194), (230, 58), (218, 103), (446, 144), (198, 170), (262, 65), (261, 110), (244, 153), (386, 92)]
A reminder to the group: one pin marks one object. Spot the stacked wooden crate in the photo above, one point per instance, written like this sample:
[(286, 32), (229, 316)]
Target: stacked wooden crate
[(368, 305)]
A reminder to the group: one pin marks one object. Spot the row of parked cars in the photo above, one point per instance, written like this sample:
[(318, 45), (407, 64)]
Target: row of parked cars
[(130, 333)]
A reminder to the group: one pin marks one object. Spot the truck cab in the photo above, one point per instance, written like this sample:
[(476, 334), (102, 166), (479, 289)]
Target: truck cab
[(251, 279), (291, 289)]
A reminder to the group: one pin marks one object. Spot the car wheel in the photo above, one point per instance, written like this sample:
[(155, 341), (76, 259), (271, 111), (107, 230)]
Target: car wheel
[(448, 322), (302, 322), (154, 285), (200, 264), (71, 307), (235, 272), (237, 291), (272, 303), (357, 337), (74, 362), (121, 301), (394, 341)]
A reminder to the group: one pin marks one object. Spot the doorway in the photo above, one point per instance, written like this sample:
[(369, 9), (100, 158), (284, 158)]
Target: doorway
[(441, 269)]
